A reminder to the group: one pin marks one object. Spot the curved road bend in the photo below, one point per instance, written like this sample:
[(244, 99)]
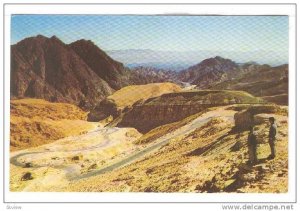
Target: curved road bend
[(164, 140), (14, 159)]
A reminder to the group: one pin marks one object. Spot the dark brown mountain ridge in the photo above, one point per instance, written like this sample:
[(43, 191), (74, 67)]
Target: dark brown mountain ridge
[(79, 73), (208, 72), (113, 72)]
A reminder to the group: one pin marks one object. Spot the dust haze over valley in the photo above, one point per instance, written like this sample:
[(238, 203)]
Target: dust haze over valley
[(83, 121)]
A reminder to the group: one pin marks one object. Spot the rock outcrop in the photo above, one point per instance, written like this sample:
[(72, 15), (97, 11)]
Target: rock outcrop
[(173, 107), (103, 110), (146, 117), (27, 176)]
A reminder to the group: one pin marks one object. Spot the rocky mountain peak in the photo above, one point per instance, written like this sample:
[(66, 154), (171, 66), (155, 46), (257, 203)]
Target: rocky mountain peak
[(47, 68), (103, 65)]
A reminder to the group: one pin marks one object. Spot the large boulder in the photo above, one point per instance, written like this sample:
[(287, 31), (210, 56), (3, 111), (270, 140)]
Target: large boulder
[(256, 114), (243, 120)]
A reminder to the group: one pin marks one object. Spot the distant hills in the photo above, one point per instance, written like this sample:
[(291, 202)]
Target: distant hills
[(270, 83), (208, 72), (174, 66), (145, 75), (82, 74), (179, 60)]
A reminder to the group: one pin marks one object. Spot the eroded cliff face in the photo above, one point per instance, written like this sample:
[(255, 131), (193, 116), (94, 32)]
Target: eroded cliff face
[(146, 117), (173, 107)]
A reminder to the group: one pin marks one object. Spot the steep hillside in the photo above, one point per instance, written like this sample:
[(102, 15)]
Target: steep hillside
[(47, 68), (127, 96), (35, 122), (205, 152), (113, 72), (209, 157), (172, 107), (270, 83)]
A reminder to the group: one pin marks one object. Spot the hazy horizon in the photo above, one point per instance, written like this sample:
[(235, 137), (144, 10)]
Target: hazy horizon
[(188, 58), (263, 39)]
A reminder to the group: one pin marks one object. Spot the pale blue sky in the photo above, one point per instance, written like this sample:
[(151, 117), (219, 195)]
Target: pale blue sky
[(167, 33)]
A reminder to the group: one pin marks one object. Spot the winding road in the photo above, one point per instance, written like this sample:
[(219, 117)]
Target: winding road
[(160, 142), (107, 141)]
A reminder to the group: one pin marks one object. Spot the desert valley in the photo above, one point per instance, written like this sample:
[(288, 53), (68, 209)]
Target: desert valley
[(80, 121)]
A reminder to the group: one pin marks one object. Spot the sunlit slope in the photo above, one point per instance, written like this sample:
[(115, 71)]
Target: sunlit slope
[(211, 158), (34, 122), (126, 97)]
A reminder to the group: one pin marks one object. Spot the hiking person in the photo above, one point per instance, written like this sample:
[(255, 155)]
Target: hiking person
[(252, 144), (272, 137)]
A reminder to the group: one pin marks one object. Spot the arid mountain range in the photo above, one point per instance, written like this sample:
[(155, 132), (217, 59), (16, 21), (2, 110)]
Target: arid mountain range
[(270, 83), (82, 74)]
